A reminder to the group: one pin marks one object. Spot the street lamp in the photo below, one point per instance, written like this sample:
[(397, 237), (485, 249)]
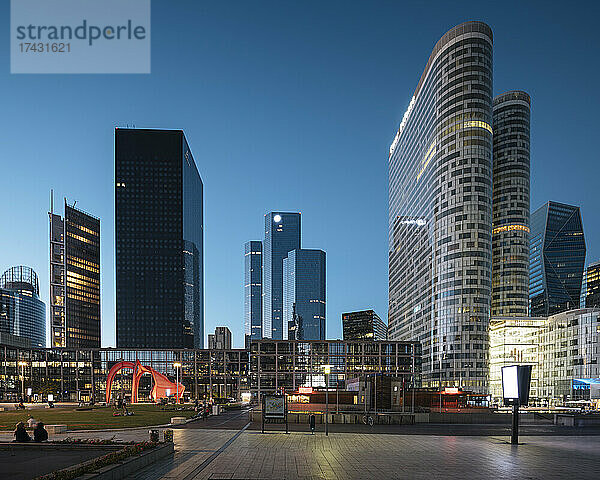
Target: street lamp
[(177, 366), (327, 370), (22, 364)]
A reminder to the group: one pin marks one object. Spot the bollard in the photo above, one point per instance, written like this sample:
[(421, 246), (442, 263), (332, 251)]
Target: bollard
[(153, 435), (312, 424)]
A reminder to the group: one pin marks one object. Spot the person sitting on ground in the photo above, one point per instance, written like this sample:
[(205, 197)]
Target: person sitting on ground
[(31, 422), (21, 434), (40, 434)]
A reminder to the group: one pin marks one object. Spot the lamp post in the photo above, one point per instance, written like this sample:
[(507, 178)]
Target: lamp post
[(177, 366), (327, 370), (22, 365)]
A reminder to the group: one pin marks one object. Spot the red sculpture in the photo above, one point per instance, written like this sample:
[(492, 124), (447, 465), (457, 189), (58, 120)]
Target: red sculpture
[(161, 382)]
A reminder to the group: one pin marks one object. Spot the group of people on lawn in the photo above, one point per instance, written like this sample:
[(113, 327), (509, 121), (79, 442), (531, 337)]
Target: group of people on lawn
[(40, 434)]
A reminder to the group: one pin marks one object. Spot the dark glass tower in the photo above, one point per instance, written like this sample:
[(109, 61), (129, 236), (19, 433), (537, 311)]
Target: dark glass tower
[(556, 259), (304, 295), (590, 292), (363, 325), (159, 241), (510, 205), (74, 279), (440, 212), (253, 290), (22, 313), (282, 235)]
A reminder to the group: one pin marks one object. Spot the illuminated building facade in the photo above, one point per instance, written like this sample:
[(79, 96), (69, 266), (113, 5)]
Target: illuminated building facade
[(291, 364), (510, 205), (556, 259), (363, 325), (81, 374), (440, 212), (253, 290), (304, 295), (74, 278), (282, 235), (514, 340), (590, 291), (159, 241), (22, 313)]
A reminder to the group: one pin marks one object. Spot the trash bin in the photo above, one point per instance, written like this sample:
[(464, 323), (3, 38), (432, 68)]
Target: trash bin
[(168, 435), (312, 423), (153, 435)]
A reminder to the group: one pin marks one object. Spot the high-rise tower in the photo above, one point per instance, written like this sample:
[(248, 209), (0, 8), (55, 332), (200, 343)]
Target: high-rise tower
[(440, 192), (253, 290), (74, 278), (282, 235), (510, 205), (304, 295), (556, 259), (159, 241)]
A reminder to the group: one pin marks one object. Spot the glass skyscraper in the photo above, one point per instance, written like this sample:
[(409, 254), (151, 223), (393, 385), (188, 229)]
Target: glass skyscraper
[(304, 295), (159, 241), (440, 212), (590, 290), (282, 235), (363, 325), (74, 278), (253, 290), (510, 205), (22, 313), (556, 259)]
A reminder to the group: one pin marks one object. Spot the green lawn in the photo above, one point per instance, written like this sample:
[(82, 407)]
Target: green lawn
[(98, 418)]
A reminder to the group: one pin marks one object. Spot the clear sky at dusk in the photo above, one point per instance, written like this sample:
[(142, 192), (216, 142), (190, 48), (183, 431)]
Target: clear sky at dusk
[(289, 106)]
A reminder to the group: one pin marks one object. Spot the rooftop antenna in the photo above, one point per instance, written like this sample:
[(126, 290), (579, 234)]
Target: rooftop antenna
[(51, 200)]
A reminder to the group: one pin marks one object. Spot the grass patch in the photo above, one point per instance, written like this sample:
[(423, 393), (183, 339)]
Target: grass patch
[(96, 419)]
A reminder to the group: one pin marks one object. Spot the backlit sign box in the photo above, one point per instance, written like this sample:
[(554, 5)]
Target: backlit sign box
[(515, 384)]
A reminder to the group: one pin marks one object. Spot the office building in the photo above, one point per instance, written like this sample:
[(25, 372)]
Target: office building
[(282, 235), (74, 278), (22, 313), (510, 205), (440, 212), (253, 290), (556, 259), (80, 375), (291, 364), (220, 340), (304, 295), (363, 325), (514, 341), (590, 290), (159, 241)]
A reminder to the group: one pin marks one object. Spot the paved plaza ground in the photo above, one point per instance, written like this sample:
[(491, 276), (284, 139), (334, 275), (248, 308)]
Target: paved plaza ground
[(221, 447)]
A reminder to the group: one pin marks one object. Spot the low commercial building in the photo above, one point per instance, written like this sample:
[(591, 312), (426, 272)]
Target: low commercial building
[(289, 365), (81, 374), (562, 349)]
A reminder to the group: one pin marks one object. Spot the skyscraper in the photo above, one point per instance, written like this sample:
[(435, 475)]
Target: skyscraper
[(590, 291), (159, 241), (253, 290), (556, 259), (282, 235), (22, 313), (74, 278), (440, 192), (510, 205), (220, 340), (304, 295), (363, 325)]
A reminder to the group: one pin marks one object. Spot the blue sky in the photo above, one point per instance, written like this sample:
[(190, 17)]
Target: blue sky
[(289, 106)]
